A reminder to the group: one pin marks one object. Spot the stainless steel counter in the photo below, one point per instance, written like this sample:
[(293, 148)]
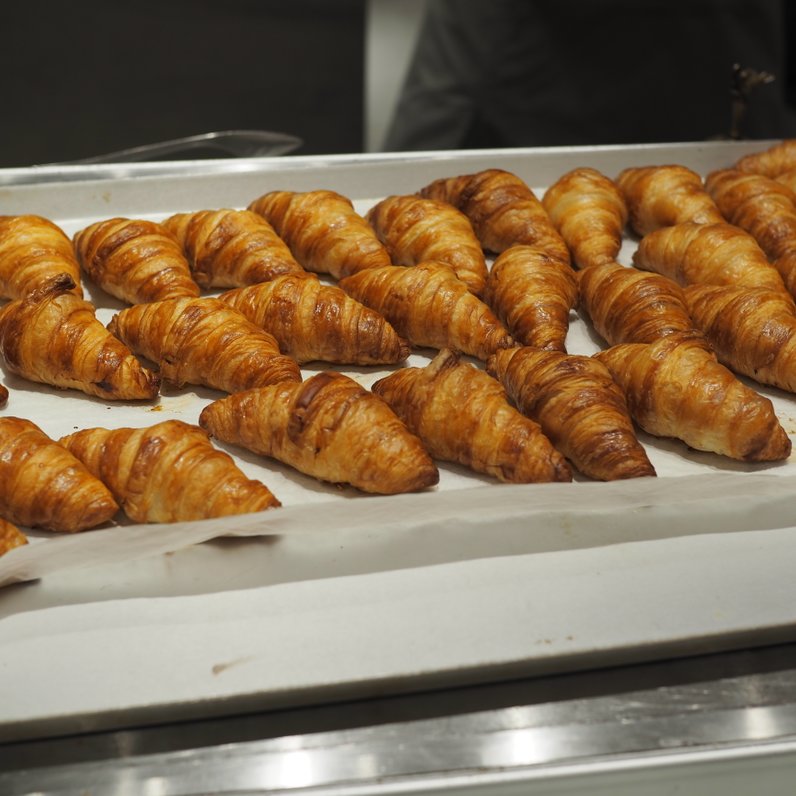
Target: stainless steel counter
[(720, 723)]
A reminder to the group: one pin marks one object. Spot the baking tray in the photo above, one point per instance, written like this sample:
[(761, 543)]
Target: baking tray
[(339, 594)]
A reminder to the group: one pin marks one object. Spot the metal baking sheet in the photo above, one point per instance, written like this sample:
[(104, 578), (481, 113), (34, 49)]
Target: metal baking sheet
[(353, 594)]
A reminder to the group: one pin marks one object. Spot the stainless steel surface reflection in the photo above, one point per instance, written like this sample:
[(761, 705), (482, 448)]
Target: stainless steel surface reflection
[(719, 720)]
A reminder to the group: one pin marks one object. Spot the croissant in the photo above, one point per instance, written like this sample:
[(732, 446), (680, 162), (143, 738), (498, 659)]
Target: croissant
[(32, 251), (203, 341), (660, 196), (323, 231), (631, 306), (675, 387), (10, 537), (328, 427), (788, 179), (430, 306), (718, 254), (532, 293), (134, 260), (53, 337), (752, 331), (43, 485), (231, 248), (169, 472), (3, 395), (462, 415), (590, 213), (770, 162), (415, 230), (312, 321), (579, 407), (766, 209), (502, 209)]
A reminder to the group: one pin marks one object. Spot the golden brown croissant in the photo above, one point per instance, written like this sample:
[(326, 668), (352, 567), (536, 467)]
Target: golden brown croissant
[(770, 162), (631, 306), (32, 251), (169, 472), (579, 407), (134, 260), (788, 179), (589, 211), (752, 331), (416, 230), (660, 196), (312, 321), (53, 337), (328, 427), (231, 248), (10, 537), (532, 293), (675, 387), (203, 341), (503, 210), (462, 415), (430, 306), (717, 254), (43, 485), (323, 231)]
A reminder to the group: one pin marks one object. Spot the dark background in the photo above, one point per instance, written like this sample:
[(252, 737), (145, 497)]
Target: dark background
[(88, 77)]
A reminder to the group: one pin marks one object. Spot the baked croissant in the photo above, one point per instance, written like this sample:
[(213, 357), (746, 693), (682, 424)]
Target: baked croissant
[(3, 395), (788, 179), (660, 196), (169, 472), (752, 331), (532, 293), (717, 254), (10, 537), (416, 230), (590, 213), (323, 231), (328, 427), (766, 209), (675, 387), (462, 415), (53, 337), (631, 306), (312, 321), (430, 306), (203, 341), (43, 485), (579, 406), (231, 248), (770, 162), (134, 260), (32, 251), (502, 209)]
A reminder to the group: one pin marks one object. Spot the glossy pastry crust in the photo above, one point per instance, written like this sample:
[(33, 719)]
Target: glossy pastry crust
[(503, 210), (134, 260), (462, 415), (10, 537), (626, 305), (33, 250), (323, 231), (312, 321), (328, 427), (430, 307), (675, 387), (589, 211), (660, 196), (770, 162), (532, 294), (204, 341), (414, 230), (579, 406), (42, 485), (53, 337), (168, 472), (231, 248)]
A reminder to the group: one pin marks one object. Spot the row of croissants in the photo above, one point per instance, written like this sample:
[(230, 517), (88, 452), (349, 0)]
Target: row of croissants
[(709, 296)]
